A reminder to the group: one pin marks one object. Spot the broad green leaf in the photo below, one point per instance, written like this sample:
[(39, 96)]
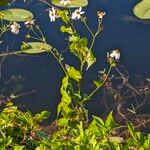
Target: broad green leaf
[(63, 121), (16, 14), (66, 30), (98, 120), (3, 2), (142, 9), (35, 47), (74, 3), (73, 73), (110, 121), (74, 38), (80, 49), (90, 59), (64, 15)]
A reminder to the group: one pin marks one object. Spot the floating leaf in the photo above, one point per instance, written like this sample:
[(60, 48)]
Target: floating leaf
[(16, 14), (74, 3), (142, 9), (35, 47)]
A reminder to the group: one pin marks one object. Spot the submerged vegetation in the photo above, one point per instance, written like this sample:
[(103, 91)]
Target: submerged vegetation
[(119, 129)]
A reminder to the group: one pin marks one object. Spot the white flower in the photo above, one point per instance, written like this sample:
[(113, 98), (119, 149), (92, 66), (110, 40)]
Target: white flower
[(77, 13), (101, 14), (52, 14), (29, 22), (65, 2), (15, 28), (115, 54)]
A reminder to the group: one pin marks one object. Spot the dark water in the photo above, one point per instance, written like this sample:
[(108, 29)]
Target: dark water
[(43, 74)]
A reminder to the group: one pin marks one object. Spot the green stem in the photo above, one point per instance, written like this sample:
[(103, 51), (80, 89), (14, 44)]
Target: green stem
[(88, 28), (59, 62), (125, 82), (94, 91), (11, 53)]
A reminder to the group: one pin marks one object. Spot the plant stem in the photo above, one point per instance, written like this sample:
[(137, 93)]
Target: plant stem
[(94, 91), (59, 62), (125, 82)]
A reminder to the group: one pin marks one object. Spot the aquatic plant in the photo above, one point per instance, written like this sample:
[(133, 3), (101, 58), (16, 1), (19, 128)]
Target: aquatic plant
[(142, 9), (73, 130)]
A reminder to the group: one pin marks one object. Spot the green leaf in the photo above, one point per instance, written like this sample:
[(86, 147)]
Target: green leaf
[(3, 2), (43, 115), (42, 135), (64, 15), (98, 83), (99, 121), (66, 30), (73, 73), (90, 59), (35, 47), (110, 121), (16, 14), (63, 121), (74, 38), (74, 3), (131, 130), (142, 9), (18, 147)]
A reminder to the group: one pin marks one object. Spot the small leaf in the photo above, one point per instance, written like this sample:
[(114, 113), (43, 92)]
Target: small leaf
[(66, 30), (73, 73), (98, 83), (98, 120), (64, 15), (63, 122), (110, 121), (74, 38)]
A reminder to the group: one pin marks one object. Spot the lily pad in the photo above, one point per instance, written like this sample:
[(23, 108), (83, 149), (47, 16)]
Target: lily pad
[(35, 48), (142, 9), (16, 14), (74, 3)]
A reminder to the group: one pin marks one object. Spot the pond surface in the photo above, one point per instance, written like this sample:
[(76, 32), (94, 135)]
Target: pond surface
[(21, 74)]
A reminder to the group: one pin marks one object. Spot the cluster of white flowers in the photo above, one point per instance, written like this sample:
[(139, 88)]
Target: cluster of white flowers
[(75, 15), (15, 27), (115, 54)]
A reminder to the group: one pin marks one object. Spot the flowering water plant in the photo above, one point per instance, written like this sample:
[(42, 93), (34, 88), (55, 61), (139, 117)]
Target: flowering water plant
[(72, 128)]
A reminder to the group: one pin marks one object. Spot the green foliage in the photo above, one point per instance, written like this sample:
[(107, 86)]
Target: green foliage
[(74, 3), (16, 14), (18, 128), (142, 9)]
